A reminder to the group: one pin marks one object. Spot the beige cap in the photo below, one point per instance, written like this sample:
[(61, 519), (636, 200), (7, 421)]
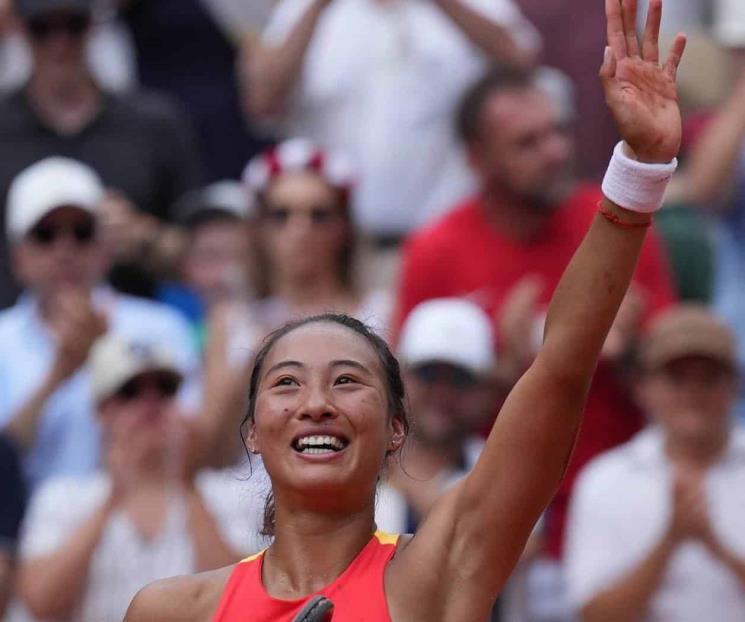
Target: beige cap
[(687, 330), (114, 361)]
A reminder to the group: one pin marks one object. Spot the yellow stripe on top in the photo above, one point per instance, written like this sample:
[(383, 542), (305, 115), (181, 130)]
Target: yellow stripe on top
[(252, 558), (387, 538)]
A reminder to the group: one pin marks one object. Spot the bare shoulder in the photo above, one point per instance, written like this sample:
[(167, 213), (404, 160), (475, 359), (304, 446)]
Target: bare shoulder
[(189, 598)]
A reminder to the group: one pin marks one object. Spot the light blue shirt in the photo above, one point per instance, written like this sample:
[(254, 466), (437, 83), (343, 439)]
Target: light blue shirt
[(68, 438)]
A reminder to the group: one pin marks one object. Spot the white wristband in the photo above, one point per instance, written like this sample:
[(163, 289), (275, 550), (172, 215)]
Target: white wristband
[(636, 186)]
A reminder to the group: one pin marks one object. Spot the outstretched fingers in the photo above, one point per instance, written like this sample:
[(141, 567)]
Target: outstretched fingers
[(651, 39), (628, 8), (676, 54), (616, 32)]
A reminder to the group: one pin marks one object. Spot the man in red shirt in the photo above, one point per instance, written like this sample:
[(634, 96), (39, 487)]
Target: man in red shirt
[(506, 248)]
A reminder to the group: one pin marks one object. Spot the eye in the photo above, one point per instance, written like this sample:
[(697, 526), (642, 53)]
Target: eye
[(285, 381), (345, 380)]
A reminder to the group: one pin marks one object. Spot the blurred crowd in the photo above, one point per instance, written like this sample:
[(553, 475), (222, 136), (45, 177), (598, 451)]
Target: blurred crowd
[(180, 177)]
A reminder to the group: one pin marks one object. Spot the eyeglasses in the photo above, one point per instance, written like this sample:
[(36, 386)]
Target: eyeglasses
[(82, 233), (73, 24), (438, 373), (166, 385), (280, 216)]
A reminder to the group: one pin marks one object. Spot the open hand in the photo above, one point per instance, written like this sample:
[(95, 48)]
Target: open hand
[(640, 92)]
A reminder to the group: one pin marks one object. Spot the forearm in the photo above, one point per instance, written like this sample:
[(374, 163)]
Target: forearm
[(274, 70), (210, 548), (732, 561), (628, 599), (711, 169), (51, 586), (492, 38), (589, 294), (542, 414), (24, 423)]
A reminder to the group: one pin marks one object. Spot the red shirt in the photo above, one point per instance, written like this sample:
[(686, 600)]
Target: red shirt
[(463, 255), (358, 594)]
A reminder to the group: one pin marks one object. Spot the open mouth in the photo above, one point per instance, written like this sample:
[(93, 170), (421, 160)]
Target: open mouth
[(317, 444)]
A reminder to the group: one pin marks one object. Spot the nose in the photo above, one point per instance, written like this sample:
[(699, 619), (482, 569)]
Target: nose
[(317, 405)]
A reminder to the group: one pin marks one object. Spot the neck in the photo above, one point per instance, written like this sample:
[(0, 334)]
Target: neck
[(312, 292), (515, 216), (311, 550), (701, 452)]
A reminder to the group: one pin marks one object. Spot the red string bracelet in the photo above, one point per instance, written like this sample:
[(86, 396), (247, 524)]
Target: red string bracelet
[(616, 220)]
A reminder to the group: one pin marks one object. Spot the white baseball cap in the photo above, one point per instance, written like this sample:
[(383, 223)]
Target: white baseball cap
[(114, 361), (47, 185), (448, 330)]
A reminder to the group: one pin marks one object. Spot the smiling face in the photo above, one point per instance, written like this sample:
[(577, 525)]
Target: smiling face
[(322, 422)]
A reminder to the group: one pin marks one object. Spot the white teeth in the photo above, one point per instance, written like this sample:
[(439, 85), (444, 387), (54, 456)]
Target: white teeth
[(320, 444)]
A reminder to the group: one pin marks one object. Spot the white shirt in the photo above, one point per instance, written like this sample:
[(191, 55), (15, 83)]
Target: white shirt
[(620, 511), (381, 83), (67, 439), (123, 562)]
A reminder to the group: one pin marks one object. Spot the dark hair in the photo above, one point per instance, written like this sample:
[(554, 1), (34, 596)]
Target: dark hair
[(394, 383), (499, 78)]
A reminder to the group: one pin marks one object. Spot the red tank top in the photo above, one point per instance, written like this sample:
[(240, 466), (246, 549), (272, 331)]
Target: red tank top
[(358, 594)]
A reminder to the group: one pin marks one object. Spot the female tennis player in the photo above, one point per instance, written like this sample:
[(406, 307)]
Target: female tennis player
[(326, 410)]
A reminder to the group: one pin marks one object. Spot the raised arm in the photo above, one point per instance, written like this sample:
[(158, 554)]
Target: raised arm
[(480, 528), (710, 176), (494, 39), (273, 70)]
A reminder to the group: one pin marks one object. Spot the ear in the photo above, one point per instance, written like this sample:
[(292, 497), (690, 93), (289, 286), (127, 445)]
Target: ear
[(398, 434), (251, 441)]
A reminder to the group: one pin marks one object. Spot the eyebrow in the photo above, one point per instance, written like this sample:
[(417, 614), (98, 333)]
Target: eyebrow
[(350, 363), (282, 365), (299, 365)]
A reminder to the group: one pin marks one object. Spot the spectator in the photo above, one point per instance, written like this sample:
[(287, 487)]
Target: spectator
[(139, 144), (52, 228), (714, 180), (12, 502), (91, 542), (306, 238), (378, 81), (506, 247), (215, 264), (656, 525), (188, 49), (449, 371)]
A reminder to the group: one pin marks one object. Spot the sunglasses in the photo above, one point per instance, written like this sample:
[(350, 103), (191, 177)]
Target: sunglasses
[(82, 233), (280, 216), (74, 24), (437, 373), (166, 385)]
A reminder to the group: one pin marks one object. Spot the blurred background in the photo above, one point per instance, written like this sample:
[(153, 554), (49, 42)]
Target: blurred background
[(179, 177)]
